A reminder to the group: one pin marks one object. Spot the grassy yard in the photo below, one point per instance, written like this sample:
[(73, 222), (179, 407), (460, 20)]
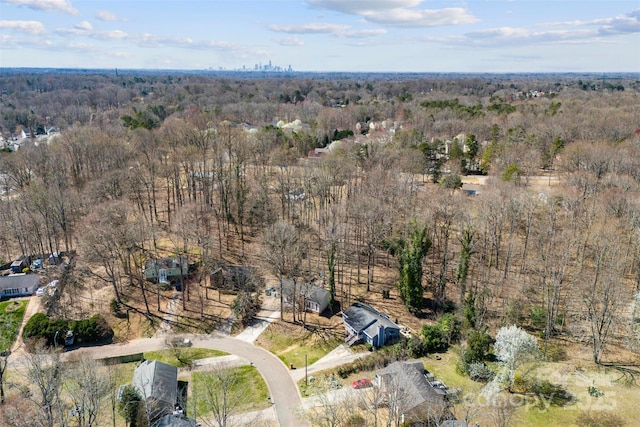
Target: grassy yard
[(292, 343), (11, 314), (187, 355), (248, 390)]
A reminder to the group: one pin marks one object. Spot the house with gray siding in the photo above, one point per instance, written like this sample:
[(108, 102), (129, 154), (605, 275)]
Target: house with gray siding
[(364, 323)]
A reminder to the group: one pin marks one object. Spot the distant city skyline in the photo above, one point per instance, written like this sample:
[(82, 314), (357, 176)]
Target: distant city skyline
[(488, 36)]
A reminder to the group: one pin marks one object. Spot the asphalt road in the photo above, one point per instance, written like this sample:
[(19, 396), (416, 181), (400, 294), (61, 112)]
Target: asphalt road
[(282, 387)]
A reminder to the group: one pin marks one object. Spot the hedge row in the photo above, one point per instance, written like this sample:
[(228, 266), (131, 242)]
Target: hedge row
[(86, 331)]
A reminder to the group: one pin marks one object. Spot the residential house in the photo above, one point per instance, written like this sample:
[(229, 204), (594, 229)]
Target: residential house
[(233, 278), (166, 270), (316, 299), (365, 323), (416, 395), (18, 285), (157, 384)]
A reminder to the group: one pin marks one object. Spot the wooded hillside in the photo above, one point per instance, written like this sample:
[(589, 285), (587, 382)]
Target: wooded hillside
[(148, 165)]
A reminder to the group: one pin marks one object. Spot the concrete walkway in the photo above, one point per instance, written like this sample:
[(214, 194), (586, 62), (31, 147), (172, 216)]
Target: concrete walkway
[(257, 326)]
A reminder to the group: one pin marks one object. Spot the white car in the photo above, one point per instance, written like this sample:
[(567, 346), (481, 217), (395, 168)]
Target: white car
[(54, 283), (40, 291)]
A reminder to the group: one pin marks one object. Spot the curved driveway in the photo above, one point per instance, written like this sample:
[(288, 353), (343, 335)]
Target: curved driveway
[(282, 387)]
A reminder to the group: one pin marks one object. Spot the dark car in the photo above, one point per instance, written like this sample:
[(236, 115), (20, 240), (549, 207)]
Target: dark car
[(361, 383)]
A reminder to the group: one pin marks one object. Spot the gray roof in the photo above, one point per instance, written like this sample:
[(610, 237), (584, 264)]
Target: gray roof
[(417, 389), (19, 281), (157, 380), (236, 277), (364, 318), (172, 420), (311, 292)]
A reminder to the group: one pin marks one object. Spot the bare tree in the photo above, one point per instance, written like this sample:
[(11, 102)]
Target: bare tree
[(223, 393), (372, 400), (332, 408), (45, 373), (283, 254), (87, 386), (603, 287)]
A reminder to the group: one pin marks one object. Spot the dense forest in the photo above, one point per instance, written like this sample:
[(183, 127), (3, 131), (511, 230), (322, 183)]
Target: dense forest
[(517, 195)]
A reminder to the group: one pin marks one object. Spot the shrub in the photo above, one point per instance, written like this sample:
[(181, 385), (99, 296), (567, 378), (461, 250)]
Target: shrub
[(433, 339), (595, 391), (544, 390), (480, 372), (86, 331), (538, 318), (36, 326), (477, 350)]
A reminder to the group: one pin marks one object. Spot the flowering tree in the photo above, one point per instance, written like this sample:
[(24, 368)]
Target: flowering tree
[(514, 347)]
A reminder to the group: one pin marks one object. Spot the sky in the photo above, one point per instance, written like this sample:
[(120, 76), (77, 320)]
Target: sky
[(477, 36)]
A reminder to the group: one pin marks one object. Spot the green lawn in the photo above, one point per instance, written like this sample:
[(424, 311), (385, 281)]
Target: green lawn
[(187, 355), (292, 343), (248, 390), (11, 314)]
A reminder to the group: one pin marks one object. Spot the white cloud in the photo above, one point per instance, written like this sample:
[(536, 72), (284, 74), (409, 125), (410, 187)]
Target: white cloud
[(313, 28), (84, 26), (289, 41), (105, 15), (46, 5), (11, 42), (398, 13), (571, 31), (420, 18), (360, 34), (344, 31), (29, 27), (355, 7)]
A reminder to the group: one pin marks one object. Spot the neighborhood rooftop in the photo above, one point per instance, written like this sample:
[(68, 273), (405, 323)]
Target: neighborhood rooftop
[(363, 317)]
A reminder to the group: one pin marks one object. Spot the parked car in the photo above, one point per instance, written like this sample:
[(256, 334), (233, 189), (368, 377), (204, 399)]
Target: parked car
[(361, 383), (54, 283), (37, 264), (40, 291)]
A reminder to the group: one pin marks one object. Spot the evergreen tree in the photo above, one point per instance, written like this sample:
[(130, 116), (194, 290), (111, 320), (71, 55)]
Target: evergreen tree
[(410, 255)]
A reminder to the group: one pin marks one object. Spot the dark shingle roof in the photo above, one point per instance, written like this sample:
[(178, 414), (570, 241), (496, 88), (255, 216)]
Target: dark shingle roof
[(18, 281), (364, 318), (312, 292), (417, 389), (157, 380)]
